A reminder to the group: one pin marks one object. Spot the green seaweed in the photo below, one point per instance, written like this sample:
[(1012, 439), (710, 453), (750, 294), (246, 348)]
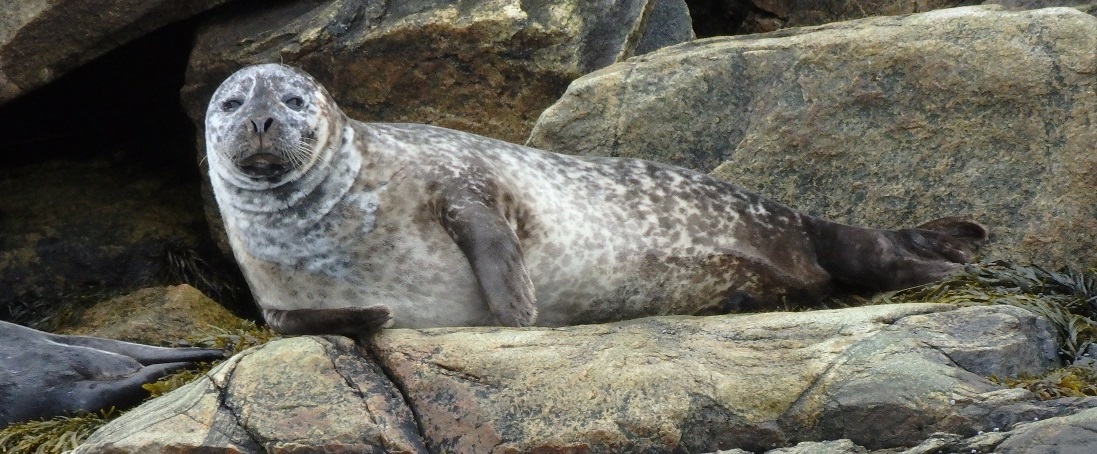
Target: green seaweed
[(1067, 298), (1070, 381), (52, 435)]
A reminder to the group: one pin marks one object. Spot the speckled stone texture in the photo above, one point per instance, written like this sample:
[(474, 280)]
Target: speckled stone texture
[(882, 122)]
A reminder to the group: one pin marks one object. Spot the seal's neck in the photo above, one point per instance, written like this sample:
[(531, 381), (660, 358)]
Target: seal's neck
[(290, 221)]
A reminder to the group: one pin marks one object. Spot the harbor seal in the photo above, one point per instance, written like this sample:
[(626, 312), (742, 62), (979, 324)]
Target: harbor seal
[(343, 227), (46, 375)]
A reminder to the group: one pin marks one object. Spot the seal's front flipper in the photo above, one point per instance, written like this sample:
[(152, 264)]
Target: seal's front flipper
[(347, 321), (491, 246)]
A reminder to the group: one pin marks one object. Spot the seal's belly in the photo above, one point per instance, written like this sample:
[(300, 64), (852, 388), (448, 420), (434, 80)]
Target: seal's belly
[(605, 287)]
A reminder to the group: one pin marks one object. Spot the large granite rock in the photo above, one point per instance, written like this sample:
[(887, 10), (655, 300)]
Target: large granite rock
[(40, 40), (879, 377), (740, 17), (485, 66), (884, 122)]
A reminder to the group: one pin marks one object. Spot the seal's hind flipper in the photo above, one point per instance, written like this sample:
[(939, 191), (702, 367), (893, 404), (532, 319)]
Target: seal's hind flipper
[(957, 227), (98, 393), (883, 260), (483, 234), (344, 320)]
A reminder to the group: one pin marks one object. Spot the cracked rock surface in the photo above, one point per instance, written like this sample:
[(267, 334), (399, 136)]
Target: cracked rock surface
[(304, 394), (879, 377)]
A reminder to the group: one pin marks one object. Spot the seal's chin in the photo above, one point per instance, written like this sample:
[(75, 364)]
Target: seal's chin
[(263, 166)]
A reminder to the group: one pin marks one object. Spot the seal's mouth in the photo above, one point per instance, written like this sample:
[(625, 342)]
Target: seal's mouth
[(263, 165)]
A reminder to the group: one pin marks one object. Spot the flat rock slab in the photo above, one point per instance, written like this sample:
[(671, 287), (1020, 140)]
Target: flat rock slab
[(879, 376)]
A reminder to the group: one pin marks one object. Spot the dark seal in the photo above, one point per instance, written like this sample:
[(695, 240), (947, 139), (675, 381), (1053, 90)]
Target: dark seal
[(342, 226), (46, 375)]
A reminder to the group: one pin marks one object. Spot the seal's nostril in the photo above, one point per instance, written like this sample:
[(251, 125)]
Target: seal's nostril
[(266, 125)]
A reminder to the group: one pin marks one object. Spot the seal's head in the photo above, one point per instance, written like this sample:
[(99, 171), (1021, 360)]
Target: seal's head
[(268, 124)]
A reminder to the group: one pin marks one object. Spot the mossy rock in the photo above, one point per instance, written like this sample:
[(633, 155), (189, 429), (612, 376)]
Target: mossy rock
[(152, 316)]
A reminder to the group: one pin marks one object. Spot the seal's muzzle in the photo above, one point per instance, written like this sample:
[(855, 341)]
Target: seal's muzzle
[(262, 165)]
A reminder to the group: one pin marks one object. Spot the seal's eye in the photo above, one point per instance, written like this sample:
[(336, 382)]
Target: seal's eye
[(294, 102), (231, 105)]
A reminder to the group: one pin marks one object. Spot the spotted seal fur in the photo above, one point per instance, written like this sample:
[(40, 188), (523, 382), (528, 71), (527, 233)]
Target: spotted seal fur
[(340, 225)]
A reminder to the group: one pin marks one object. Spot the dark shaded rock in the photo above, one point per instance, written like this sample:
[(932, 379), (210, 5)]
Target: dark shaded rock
[(78, 230), (42, 39), (742, 17), (1073, 434), (1075, 431)]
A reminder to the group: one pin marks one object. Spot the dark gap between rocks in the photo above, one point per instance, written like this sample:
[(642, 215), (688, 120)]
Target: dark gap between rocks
[(730, 17), (124, 104), (116, 127)]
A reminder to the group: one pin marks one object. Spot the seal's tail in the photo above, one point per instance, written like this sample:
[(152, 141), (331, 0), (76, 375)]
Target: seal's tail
[(883, 260)]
